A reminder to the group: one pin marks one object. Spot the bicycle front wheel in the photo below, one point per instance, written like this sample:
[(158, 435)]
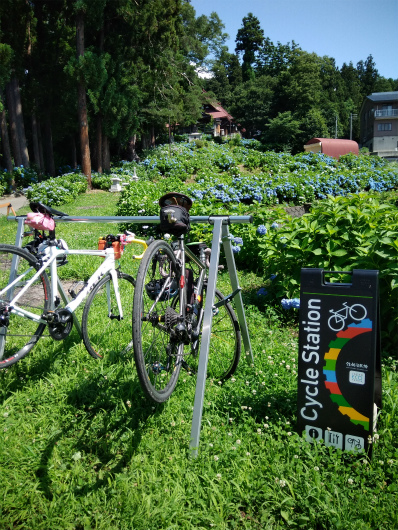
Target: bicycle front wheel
[(19, 333), (158, 355), (225, 340), (105, 332)]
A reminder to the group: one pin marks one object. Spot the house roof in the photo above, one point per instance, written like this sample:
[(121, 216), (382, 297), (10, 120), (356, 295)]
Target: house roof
[(218, 112), (383, 96)]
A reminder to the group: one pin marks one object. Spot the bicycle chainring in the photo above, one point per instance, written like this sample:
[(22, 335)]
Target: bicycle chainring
[(60, 324)]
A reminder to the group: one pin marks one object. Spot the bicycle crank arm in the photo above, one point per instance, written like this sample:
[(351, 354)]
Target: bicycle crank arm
[(228, 298)]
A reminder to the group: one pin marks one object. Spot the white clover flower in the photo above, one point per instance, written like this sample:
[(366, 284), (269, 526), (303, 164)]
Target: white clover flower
[(216, 458), (282, 483), (265, 426), (289, 433), (210, 444), (238, 442), (350, 481), (218, 475), (316, 468), (259, 431), (233, 379), (230, 434), (254, 392)]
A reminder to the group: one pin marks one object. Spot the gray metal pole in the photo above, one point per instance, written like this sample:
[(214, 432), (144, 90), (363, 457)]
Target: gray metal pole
[(238, 298), (204, 347)]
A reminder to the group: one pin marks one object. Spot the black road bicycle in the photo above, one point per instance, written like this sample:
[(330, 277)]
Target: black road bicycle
[(168, 312)]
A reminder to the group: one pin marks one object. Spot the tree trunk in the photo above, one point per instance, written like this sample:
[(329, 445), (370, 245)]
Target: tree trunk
[(82, 104), (5, 141), (13, 125), (74, 156), (48, 145), (99, 143), (131, 152), (19, 122), (35, 142), (106, 158), (40, 140)]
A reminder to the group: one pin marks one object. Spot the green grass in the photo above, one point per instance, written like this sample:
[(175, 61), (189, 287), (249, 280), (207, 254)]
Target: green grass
[(81, 448)]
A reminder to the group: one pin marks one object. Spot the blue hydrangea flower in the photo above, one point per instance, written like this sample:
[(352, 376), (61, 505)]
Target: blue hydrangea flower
[(261, 230), (235, 249), (290, 303), (275, 225), (238, 240), (272, 277), (262, 292)]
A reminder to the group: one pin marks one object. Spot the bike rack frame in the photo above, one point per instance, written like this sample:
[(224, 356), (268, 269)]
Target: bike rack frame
[(220, 235)]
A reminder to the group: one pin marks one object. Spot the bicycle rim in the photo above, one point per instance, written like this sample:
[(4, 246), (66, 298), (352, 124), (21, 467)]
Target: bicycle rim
[(18, 334), (158, 357), (225, 341), (105, 334)]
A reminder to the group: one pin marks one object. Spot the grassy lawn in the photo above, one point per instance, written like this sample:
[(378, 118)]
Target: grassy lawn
[(81, 447)]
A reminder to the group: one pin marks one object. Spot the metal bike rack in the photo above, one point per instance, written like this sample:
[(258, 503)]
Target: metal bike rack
[(220, 235)]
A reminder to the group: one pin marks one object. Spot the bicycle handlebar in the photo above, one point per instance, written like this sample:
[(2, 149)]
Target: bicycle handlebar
[(194, 219)]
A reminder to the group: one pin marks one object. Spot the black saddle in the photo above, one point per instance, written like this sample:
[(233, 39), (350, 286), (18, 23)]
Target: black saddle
[(38, 207)]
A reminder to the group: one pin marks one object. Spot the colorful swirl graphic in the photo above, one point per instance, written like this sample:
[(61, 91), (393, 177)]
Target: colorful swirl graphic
[(329, 370)]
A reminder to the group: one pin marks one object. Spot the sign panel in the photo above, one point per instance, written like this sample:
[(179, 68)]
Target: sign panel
[(339, 364)]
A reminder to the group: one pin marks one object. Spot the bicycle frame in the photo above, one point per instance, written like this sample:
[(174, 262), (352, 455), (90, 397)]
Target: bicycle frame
[(50, 262)]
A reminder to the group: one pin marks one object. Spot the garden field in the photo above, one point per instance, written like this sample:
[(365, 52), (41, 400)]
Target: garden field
[(81, 447)]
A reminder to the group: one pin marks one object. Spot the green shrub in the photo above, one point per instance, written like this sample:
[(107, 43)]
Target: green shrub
[(340, 233), (58, 190)]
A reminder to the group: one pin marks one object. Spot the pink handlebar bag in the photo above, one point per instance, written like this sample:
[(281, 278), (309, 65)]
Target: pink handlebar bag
[(40, 221)]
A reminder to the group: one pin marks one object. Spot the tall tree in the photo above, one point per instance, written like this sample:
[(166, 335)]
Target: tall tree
[(82, 103), (249, 40)]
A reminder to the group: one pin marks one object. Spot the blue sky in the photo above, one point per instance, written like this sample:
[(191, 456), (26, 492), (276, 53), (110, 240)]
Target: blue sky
[(348, 30)]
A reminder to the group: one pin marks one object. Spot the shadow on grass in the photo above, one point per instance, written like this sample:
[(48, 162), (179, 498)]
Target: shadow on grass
[(35, 366), (106, 420)]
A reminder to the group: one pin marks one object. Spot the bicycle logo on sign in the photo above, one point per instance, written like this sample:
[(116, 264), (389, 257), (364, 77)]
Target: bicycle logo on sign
[(338, 317)]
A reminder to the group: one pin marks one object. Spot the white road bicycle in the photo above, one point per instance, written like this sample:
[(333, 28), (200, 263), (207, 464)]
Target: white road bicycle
[(30, 300)]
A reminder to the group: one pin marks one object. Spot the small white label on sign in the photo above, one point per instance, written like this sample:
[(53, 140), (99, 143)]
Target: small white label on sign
[(313, 433), (335, 439), (358, 378), (354, 443)]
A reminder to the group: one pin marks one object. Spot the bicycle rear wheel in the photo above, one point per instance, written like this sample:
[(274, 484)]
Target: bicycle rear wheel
[(104, 332), (18, 333), (225, 341), (158, 355)]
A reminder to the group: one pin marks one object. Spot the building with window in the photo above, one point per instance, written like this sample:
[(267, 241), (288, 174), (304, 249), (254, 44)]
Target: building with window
[(379, 124)]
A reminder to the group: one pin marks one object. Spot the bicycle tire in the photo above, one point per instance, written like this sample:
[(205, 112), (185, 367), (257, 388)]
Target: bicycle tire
[(336, 322), (225, 341), (158, 358), (20, 334), (358, 312), (104, 333)]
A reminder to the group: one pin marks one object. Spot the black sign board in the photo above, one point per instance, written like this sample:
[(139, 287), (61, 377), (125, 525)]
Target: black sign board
[(339, 367)]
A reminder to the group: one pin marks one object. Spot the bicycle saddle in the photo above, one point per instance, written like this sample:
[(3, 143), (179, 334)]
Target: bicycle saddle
[(174, 198), (38, 207)]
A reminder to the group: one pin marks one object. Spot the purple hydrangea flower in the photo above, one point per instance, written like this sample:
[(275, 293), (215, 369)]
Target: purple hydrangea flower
[(261, 230)]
